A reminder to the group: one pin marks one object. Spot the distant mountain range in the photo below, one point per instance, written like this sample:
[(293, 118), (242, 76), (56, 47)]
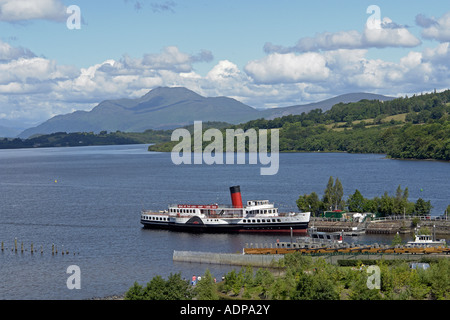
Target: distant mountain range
[(11, 128), (324, 105), (168, 108)]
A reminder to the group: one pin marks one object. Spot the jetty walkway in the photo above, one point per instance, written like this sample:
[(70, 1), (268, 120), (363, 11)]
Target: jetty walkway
[(387, 225), (271, 260)]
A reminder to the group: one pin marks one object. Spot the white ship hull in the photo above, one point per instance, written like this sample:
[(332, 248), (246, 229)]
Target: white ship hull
[(257, 216)]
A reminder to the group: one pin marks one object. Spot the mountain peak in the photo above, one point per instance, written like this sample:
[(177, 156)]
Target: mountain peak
[(176, 93), (171, 107)]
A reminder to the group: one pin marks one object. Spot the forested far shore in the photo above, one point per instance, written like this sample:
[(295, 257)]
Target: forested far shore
[(77, 139), (416, 127), (405, 128)]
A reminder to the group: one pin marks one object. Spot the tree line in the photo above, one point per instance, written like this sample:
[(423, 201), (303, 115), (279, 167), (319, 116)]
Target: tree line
[(385, 205), (303, 278), (423, 132), (75, 139)]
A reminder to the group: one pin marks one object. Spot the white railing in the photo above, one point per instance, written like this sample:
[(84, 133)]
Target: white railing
[(389, 218), (421, 218)]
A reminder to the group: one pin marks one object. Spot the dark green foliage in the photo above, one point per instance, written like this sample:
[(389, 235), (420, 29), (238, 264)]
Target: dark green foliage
[(310, 203), (422, 207), (76, 139), (425, 135), (355, 202), (206, 287), (303, 278), (385, 205), (174, 288)]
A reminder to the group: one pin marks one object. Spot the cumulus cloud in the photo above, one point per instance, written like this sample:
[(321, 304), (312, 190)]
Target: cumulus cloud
[(25, 10), (388, 34), (25, 77), (436, 29), (425, 22), (36, 88), (171, 58), (7, 52), (288, 67)]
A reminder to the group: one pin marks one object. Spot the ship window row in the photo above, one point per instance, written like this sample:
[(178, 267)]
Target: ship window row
[(173, 210), (265, 211), (261, 220), (153, 218)]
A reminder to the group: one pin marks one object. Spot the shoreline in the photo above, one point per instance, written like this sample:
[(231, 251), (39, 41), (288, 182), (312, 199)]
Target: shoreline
[(114, 297)]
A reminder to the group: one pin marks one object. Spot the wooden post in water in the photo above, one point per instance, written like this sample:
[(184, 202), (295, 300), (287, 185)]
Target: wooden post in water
[(15, 244), (21, 247), (32, 248), (2, 247), (53, 249)]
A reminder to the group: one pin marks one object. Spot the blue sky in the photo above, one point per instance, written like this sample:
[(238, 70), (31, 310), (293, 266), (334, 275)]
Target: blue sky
[(263, 53)]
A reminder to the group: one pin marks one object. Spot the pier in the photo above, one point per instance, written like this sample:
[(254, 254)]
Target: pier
[(269, 259), (236, 259), (386, 225)]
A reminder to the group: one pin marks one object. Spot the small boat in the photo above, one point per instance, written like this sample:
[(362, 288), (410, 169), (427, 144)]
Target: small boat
[(329, 237), (426, 240), (256, 216)]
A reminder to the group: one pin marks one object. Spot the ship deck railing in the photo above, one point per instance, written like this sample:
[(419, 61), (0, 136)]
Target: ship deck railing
[(152, 212)]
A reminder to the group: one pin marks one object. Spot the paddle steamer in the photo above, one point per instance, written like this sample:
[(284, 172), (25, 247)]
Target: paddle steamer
[(255, 216)]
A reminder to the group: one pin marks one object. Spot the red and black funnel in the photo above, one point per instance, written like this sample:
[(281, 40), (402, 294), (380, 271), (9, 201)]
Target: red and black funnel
[(236, 198)]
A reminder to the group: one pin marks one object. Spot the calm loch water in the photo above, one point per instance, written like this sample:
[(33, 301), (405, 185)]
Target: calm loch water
[(87, 200)]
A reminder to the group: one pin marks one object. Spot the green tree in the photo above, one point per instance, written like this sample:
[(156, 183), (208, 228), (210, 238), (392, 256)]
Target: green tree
[(338, 193), (359, 289), (264, 279), (422, 207), (310, 203), (333, 194), (316, 284), (328, 194), (232, 282), (356, 202), (136, 292), (439, 279), (386, 207), (206, 287), (400, 203), (397, 240), (156, 289), (178, 288)]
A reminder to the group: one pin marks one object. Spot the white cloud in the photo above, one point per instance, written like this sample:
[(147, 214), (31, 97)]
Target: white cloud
[(437, 29), (389, 34), (288, 67), (172, 59), (7, 52), (25, 10), (34, 88)]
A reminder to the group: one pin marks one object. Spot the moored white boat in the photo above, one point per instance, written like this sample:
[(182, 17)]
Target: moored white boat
[(426, 240), (255, 216)]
